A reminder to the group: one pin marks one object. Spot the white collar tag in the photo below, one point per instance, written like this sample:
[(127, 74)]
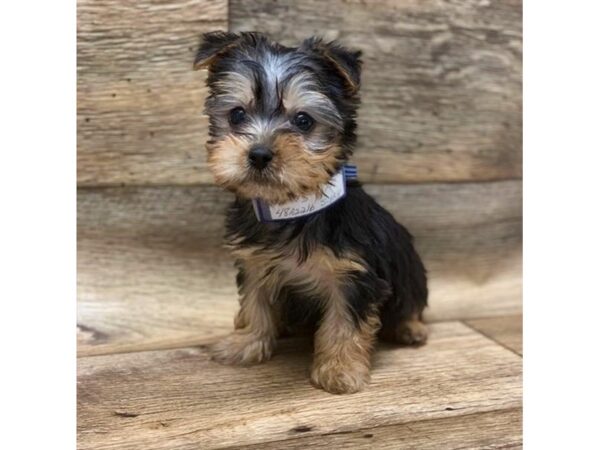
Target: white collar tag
[(334, 190)]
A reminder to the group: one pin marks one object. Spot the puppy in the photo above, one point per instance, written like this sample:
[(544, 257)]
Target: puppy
[(312, 249)]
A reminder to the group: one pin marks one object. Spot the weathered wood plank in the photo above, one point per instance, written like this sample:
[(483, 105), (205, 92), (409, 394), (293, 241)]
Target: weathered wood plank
[(495, 429), (151, 274), (507, 330), (180, 399), (138, 101), (441, 85)]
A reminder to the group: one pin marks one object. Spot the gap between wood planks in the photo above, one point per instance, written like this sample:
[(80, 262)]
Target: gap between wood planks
[(86, 186), (149, 347), (490, 336)]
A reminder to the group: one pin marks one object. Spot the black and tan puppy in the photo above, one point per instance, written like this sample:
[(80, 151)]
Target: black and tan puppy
[(312, 248)]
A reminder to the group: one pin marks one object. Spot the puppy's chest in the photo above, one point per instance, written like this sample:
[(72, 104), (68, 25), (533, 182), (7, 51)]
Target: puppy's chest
[(320, 268)]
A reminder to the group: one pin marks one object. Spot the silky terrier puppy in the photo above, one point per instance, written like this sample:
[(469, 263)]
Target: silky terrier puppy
[(312, 249)]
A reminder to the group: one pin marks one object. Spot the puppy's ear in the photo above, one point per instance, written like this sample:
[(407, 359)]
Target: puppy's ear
[(347, 63), (212, 45)]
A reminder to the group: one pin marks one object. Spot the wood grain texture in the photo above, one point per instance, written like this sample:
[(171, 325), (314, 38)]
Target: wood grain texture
[(506, 330), (495, 429), (180, 399), (441, 85), (138, 101), (151, 273)]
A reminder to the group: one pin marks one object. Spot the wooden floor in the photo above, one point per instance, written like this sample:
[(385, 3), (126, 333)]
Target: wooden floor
[(154, 288)]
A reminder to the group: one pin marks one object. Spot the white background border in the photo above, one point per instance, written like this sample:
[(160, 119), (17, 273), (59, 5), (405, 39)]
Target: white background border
[(37, 226), (561, 224)]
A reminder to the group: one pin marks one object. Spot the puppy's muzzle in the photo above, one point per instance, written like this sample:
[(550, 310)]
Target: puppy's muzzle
[(259, 157)]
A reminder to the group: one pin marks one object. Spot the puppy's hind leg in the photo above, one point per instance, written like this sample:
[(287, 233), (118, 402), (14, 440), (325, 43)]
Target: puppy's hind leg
[(402, 315), (404, 330)]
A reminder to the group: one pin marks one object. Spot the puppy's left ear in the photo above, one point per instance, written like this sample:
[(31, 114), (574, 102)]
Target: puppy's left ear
[(212, 45), (346, 62)]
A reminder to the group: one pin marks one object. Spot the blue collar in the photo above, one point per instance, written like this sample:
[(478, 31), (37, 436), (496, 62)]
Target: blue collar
[(333, 191)]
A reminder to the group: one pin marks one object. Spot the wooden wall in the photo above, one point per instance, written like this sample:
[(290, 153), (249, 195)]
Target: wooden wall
[(441, 91), (440, 146), (139, 103)]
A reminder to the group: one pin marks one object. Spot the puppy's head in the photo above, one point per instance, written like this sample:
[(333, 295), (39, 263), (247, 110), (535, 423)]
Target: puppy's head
[(282, 119)]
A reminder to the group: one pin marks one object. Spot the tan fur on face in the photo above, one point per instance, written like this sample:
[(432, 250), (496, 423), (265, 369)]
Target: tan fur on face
[(301, 170), (227, 160), (294, 172)]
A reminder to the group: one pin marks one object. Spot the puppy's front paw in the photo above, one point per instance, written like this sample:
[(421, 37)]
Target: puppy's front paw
[(340, 378), (242, 349)]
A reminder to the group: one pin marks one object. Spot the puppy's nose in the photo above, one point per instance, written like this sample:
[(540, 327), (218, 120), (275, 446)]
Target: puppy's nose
[(260, 157)]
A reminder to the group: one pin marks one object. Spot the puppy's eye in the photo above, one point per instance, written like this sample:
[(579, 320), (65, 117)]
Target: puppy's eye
[(237, 115), (303, 121)]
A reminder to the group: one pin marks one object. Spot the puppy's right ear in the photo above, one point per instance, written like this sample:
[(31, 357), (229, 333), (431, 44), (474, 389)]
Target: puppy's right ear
[(212, 45), (346, 63)]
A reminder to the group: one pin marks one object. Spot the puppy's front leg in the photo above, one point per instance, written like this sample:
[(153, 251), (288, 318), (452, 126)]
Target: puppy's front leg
[(344, 340), (255, 332)]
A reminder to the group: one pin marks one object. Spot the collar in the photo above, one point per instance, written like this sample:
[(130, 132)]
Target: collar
[(333, 191)]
